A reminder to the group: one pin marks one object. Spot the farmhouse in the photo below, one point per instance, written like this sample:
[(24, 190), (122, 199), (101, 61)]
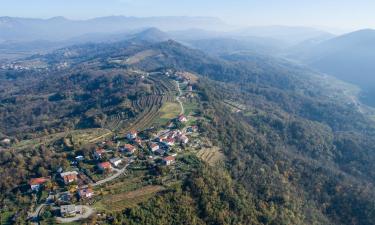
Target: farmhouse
[(105, 166), (182, 118), (183, 139), (36, 183), (98, 154), (85, 193), (70, 210), (69, 177), (115, 161), (169, 160), (131, 135), (168, 141), (154, 147), (129, 148)]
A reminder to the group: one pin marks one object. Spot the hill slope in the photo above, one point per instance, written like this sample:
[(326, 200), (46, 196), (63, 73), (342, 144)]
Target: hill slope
[(300, 150), (348, 57)]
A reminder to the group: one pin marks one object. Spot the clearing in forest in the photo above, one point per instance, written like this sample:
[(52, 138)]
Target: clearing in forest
[(119, 202), (211, 155)]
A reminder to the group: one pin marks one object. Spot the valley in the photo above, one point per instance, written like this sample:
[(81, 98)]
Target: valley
[(138, 132)]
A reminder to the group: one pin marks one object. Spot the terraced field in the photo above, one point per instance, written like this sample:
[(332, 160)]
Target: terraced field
[(148, 107)]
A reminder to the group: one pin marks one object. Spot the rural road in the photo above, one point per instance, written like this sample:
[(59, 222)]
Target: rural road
[(178, 98), (87, 211), (114, 176)]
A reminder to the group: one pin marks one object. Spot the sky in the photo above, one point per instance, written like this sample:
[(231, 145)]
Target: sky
[(334, 14)]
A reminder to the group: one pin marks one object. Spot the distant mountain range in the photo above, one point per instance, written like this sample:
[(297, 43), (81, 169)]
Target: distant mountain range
[(349, 57)]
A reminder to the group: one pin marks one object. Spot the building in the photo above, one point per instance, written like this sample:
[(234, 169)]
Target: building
[(129, 148), (70, 210), (69, 177), (159, 152), (80, 158), (169, 160), (183, 139), (85, 193), (131, 135), (182, 118), (115, 161), (168, 141), (189, 88), (154, 147), (36, 183), (105, 166), (99, 152)]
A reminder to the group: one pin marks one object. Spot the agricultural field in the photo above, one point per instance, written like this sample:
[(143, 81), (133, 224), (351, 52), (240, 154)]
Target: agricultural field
[(118, 202), (211, 155), (169, 111)]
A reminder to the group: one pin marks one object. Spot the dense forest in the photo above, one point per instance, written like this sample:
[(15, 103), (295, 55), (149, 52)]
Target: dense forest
[(300, 152)]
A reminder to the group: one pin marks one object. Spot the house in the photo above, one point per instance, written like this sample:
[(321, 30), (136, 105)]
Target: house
[(190, 88), (70, 210), (182, 118), (131, 135), (36, 183), (98, 154), (154, 147), (80, 158), (183, 139), (168, 141), (129, 148), (85, 193), (169, 160), (159, 152), (105, 166), (115, 161), (69, 177), (6, 141), (138, 140)]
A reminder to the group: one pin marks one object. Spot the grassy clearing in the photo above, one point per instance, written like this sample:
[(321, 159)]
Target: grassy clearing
[(130, 199), (167, 112), (140, 56), (190, 107), (211, 155), (5, 218)]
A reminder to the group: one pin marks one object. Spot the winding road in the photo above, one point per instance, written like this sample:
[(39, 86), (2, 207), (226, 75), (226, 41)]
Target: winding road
[(178, 98), (88, 209)]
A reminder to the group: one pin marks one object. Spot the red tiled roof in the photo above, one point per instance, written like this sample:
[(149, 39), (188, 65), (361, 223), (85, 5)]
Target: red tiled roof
[(169, 158), (36, 181), (129, 147), (100, 150), (105, 165)]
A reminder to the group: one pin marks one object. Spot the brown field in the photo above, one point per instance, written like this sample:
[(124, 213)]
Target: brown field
[(211, 155), (140, 56), (130, 199), (192, 77)]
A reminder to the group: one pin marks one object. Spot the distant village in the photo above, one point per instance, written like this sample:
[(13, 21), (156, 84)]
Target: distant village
[(112, 158)]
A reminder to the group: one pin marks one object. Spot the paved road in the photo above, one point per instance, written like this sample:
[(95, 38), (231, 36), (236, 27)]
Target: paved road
[(37, 211), (178, 98), (114, 176), (87, 211)]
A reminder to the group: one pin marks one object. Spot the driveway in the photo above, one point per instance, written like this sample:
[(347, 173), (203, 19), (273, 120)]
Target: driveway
[(87, 211)]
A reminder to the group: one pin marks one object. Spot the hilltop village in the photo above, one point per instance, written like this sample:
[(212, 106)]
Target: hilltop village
[(153, 156)]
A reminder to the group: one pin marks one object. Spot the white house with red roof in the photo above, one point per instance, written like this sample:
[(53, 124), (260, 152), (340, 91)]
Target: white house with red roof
[(69, 177), (129, 148), (132, 135), (85, 193), (105, 166), (98, 153), (169, 160), (182, 118), (36, 183), (154, 147)]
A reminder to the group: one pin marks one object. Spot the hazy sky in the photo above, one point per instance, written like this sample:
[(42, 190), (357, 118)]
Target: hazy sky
[(346, 14)]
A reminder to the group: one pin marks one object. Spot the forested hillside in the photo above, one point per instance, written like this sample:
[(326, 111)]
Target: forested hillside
[(298, 148)]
